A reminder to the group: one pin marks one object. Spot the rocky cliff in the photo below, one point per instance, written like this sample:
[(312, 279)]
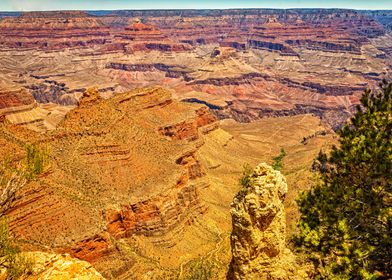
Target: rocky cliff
[(257, 62), (52, 30), (134, 179), (15, 100), (258, 238), (122, 168), (382, 16)]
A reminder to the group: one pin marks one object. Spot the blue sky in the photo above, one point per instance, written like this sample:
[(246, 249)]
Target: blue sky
[(28, 5)]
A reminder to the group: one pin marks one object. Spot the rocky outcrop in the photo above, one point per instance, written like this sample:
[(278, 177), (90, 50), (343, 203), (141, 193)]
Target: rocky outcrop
[(329, 90), (52, 91), (284, 50), (354, 48), (15, 100), (171, 71), (157, 216), (145, 37), (141, 32), (233, 81), (258, 238), (189, 130), (48, 266), (92, 249)]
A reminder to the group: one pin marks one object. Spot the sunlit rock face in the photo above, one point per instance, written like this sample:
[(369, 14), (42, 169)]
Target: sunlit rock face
[(258, 238), (55, 266)]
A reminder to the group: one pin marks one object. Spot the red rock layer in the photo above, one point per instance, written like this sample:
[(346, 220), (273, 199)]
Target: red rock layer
[(52, 30), (15, 100), (337, 31), (113, 175)]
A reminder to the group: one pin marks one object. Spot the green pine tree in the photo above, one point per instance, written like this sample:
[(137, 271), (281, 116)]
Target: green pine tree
[(346, 218)]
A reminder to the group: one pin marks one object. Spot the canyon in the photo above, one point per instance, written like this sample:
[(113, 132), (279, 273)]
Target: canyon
[(149, 116), (253, 63)]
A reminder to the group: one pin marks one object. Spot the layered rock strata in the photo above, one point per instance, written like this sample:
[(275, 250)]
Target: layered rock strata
[(116, 174), (15, 100), (258, 62), (52, 30)]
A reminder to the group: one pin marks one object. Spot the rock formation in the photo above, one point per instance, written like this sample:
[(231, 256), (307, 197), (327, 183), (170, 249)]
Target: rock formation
[(129, 167), (15, 100), (52, 30), (258, 238), (126, 160), (260, 63), (382, 16), (48, 266)]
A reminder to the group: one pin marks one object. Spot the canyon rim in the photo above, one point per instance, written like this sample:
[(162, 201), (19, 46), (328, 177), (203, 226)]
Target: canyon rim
[(144, 120)]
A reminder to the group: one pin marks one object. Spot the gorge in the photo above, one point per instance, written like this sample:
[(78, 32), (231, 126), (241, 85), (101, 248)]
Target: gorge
[(149, 116)]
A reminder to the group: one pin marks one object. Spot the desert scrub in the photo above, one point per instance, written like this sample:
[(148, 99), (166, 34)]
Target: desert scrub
[(247, 172), (12, 179), (200, 270), (278, 160), (35, 161), (11, 258)]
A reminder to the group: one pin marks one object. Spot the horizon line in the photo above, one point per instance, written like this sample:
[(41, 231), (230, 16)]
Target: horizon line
[(197, 9)]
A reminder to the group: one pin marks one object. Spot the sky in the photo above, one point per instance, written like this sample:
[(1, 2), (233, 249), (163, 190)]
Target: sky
[(41, 5)]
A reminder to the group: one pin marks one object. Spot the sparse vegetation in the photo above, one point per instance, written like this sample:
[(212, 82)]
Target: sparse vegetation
[(246, 175), (35, 161), (11, 258), (278, 160), (346, 218), (11, 181), (200, 270)]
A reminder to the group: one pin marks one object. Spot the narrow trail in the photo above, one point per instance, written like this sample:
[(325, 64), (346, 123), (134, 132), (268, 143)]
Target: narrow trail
[(210, 254)]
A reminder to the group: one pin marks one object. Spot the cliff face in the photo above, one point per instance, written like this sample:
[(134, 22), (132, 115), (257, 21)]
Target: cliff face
[(384, 17), (52, 30), (15, 100), (258, 238), (258, 62), (122, 168)]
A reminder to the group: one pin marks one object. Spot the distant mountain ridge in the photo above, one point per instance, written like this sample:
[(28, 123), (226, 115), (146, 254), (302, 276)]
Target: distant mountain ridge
[(382, 16)]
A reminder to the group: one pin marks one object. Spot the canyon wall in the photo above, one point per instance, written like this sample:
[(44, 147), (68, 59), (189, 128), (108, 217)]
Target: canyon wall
[(127, 188), (120, 168), (257, 62)]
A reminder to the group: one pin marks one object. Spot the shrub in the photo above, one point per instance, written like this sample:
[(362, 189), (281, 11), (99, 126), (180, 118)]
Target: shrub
[(35, 161), (11, 181), (200, 270), (278, 160), (11, 258), (247, 171)]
